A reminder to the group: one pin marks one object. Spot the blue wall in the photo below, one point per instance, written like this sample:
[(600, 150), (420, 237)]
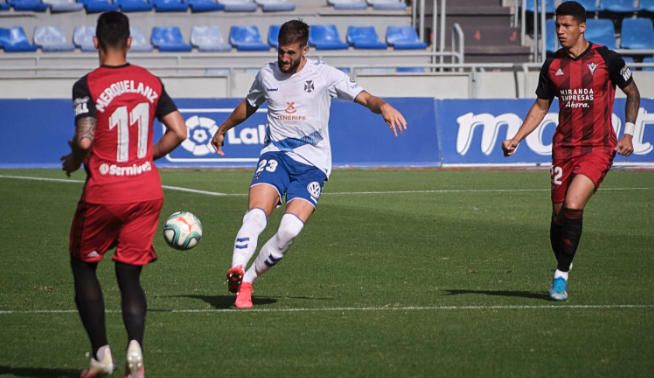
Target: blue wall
[(441, 132)]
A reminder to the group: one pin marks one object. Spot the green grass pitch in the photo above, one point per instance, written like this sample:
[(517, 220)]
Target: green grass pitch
[(399, 273)]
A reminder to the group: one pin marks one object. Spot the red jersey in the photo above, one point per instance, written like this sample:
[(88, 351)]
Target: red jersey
[(585, 86), (124, 100)]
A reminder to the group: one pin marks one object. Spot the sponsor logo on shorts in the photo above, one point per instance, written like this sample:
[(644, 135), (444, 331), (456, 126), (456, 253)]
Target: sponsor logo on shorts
[(131, 170), (314, 190)]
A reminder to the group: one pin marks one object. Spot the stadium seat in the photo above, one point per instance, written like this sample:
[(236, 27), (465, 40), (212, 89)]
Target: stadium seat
[(551, 43), (14, 39), (387, 4), (170, 5), (648, 60), (205, 6), (169, 39), (589, 5), (28, 5), (348, 4), (208, 38), (4, 5), (83, 38), (410, 69), (51, 39), (637, 33), (364, 37), (239, 5), (139, 40), (97, 6), (247, 38), (549, 6), (647, 5), (601, 31), (325, 37), (134, 5), (63, 5), (273, 35), (276, 5), (404, 38), (619, 6)]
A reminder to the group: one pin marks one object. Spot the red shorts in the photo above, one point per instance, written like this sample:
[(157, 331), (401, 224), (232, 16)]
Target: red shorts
[(130, 227), (592, 165)]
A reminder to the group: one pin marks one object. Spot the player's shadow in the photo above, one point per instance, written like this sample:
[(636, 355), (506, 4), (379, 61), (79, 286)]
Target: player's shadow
[(500, 293), (227, 301), (38, 372)]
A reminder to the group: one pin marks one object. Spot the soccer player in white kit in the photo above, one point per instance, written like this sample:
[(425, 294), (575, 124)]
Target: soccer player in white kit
[(296, 159)]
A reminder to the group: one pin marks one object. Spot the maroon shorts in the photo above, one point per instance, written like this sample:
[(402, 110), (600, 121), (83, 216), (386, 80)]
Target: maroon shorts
[(593, 165), (130, 227)]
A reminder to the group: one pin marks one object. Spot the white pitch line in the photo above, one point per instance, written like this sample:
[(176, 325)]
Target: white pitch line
[(389, 192), (368, 309)]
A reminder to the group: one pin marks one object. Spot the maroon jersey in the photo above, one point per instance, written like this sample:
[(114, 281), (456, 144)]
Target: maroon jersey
[(124, 101), (585, 87)]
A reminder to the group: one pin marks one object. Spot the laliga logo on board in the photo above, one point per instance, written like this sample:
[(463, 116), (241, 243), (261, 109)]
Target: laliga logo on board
[(491, 125), (201, 130)]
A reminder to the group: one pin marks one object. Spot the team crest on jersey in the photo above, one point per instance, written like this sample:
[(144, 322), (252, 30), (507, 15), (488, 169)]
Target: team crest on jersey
[(314, 189), (592, 68), (308, 86), (559, 72)]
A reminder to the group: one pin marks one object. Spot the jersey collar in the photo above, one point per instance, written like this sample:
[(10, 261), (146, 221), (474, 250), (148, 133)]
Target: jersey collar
[(590, 45), (120, 66)]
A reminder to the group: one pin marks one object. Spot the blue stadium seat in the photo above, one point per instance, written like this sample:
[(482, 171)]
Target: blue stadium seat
[(169, 39), (28, 5), (589, 5), (403, 38), (410, 69), (276, 5), (387, 4), (14, 39), (637, 33), (51, 39), (325, 37), (648, 60), (273, 35), (170, 5), (140, 43), (208, 38), (619, 6), (601, 31), (57, 6), (364, 37), (247, 38), (549, 6), (551, 43), (205, 6), (97, 6), (4, 5), (647, 5), (348, 4), (134, 5), (83, 38), (239, 5)]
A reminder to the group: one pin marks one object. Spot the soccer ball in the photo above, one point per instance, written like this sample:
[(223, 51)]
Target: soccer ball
[(182, 230)]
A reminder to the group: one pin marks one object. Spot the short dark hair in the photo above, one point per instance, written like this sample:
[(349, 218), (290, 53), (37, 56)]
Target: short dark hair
[(572, 8), (294, 31), (112, 30)]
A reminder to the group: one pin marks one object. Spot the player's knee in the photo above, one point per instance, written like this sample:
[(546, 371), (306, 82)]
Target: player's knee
[(289, 228), (256, 219)]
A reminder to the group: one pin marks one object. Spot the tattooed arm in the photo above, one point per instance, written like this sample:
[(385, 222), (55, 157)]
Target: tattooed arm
[(625, 144), (80, 145)]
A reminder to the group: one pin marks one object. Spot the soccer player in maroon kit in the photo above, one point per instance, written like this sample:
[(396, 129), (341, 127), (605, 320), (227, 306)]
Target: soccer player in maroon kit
[(583, 75), (115, 106)]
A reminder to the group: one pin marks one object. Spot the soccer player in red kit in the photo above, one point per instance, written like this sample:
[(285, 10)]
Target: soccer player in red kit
[(115, 106), (583, 75)]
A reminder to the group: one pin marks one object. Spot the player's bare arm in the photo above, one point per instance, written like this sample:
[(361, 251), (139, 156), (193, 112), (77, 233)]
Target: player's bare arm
[(242, 112), (176, 133), (80, 145), (393, 118), (535, 116), (625, 144)]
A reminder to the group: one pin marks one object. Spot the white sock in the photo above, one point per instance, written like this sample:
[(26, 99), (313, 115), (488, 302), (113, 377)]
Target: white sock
[(275, 248), (245, 244), (562, 274)]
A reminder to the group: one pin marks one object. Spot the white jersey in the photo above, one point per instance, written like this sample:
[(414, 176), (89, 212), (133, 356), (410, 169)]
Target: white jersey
[(298, 109)]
